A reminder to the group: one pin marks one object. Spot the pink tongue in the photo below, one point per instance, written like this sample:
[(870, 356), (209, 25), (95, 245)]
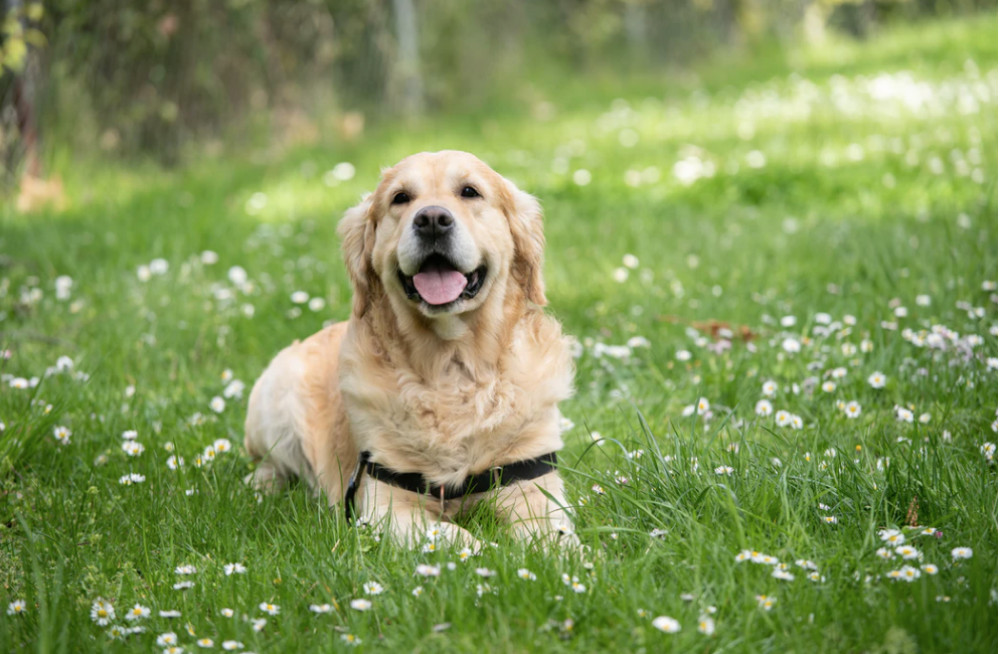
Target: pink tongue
[(439, 286)]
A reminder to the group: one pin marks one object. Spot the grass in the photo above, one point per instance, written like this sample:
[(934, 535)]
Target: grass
[(846, 181)]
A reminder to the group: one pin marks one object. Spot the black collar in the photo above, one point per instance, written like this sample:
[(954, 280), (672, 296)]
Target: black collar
[(416, 483)]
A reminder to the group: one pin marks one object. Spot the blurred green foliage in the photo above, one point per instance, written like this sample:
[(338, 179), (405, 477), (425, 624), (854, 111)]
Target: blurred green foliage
[(151, 75)]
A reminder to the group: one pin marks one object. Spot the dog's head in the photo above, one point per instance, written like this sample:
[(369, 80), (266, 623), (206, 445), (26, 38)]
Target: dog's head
[(441, 234)]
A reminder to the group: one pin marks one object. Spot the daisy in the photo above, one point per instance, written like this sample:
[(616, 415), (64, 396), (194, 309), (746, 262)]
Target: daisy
[(132, 448), (222, 445), (763, 408), (373, 588), (130, 435), (425, 570), (360, 604), (784, 575), (485, 572), (205, 643), (706, 625), (62, 434), (597, 489), (258, 624), (464, 554), (796, 422), (929, 568), (166, 639), (703, 406), (724, 470), (185, 569), (577, 586), (783, 418), (418, 591), (892, 536), (102, 612), (234, 568), (132, 478), (961, 553), (270, 609), (909, 573), (117, 633), (137, 612), (231, 645), (350, 639), (884, 553), (769, 388), (183, 585), (171, 613), (765, 602), (227, 613), (666, 624), (904, 415), (320, 608), (830, 519), (909, 552), (876, 380), (853, 409), (217, 404), (526, 574), (829, 386), (17, 607)]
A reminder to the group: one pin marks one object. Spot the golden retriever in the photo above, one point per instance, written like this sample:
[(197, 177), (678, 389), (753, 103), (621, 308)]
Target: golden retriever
[(448, 366)]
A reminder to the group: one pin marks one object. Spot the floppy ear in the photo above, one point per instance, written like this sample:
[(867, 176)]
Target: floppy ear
[(525, 218), (357, 233)]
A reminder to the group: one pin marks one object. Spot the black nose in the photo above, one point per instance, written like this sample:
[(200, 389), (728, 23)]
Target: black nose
[(431, 222)]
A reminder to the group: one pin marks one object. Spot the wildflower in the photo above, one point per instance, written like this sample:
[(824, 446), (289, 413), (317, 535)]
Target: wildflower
[(217, 404), (205, 643), (132, 478), (815, 576), (769, 388), (706, 625), (234, 568), (724, 470), (137, 612), (222, 445), (485, 572), (464, 554), (360, 604), (132, 448), (130, 435), (765, 602), (258, 624), (904, 415), (185, 570), (783, 418), (892, 536), (791, 345), (829, 386), (577, 586), (166, 639), (805, 564), (830, 519), (231, 645), (17, 607), (961, 553), (909, 552), (425, 570), (763, 408), (526, 574), (429, 547), (909, 573), (929, 568), (62, 434), (853, 409), (171, 613), (270, 609), (102, 612), (744, 555), (884, 553), (183, 585), (784, 575), (597, 489), (373, 588), (796, 422), (666, 624), (418, 591), (227, 613), (320, 608), (702, 406), (350, 639), (300, 297), (876, 380), (117, 632)]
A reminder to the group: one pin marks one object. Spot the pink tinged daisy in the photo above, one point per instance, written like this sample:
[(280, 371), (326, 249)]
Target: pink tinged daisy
[(666, 624), (360, 604), (270, 609), (17, 607), (960, 553), (102, 612)]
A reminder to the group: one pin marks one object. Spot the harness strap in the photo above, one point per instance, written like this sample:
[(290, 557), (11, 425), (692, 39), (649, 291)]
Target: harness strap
[(416, 483)]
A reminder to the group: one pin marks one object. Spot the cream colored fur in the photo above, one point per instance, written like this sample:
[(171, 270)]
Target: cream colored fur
[(443, 394)]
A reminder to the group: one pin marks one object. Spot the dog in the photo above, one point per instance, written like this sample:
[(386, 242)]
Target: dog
[(442, 389)]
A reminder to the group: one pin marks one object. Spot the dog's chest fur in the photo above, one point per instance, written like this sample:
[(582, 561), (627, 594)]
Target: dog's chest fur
[(466, 416)]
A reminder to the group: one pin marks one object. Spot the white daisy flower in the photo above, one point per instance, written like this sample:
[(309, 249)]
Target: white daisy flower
[(666, 624), (270, 609)]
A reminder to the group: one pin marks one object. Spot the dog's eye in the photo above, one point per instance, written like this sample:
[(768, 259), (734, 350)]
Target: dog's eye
[(470, 192), (401, 198)]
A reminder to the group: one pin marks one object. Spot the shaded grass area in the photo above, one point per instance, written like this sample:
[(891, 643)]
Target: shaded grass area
[(847, 181)]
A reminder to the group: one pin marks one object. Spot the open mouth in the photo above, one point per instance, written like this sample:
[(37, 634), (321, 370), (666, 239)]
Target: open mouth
[(438, 283)]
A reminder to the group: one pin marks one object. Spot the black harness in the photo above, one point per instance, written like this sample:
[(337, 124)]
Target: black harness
[(416, 483)]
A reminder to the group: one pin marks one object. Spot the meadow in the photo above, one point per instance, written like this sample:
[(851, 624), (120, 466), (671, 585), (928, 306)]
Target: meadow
[(782, 274)]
